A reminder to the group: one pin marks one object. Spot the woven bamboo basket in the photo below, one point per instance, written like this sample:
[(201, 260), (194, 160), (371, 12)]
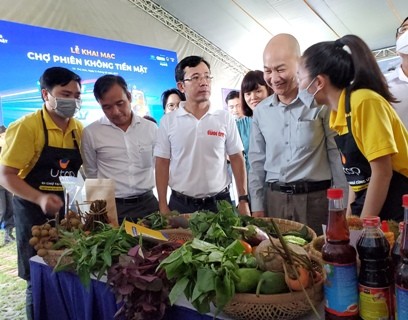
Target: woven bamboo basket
[(178, 234), (285, 306), (53, 256), (289, 225), (315, 248)]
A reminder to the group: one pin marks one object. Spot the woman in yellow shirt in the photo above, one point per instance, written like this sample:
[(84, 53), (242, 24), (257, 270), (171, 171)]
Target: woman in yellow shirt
[(344, 75)]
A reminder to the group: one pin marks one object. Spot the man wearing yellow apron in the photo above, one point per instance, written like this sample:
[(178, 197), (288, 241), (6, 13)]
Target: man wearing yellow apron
[(39, 148)]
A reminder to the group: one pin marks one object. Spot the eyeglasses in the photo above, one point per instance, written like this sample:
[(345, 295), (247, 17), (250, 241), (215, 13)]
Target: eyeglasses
[(172, 106), (197, 79), (402, 29)]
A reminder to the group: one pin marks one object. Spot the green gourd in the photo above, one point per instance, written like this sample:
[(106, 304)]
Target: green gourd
[(271, 283), (247, 280)]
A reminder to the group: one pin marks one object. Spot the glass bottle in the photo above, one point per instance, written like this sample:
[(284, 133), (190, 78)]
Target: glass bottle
[(401, 273), (341, 286), (374, 281)]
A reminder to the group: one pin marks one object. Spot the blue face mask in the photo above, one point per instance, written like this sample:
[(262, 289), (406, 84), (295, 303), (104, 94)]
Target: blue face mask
[(305, 96), (66, 107), (310, 84)]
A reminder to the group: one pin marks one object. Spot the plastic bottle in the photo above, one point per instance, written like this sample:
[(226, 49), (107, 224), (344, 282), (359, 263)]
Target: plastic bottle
[(375, 296), (395, 261), (389, 235), (341, 286), (401, 273), (395, 252)]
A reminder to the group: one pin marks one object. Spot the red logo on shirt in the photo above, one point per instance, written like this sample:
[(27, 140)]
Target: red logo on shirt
[(215, 133), (63, 163)]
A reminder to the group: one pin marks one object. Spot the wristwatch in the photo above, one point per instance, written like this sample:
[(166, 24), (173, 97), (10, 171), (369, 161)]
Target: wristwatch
[(243, 198)]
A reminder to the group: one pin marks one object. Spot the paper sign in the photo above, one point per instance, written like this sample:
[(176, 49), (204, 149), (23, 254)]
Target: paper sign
[(137, 230)]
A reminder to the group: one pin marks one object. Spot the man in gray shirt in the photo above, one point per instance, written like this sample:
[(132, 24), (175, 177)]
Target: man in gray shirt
[(293, 156)]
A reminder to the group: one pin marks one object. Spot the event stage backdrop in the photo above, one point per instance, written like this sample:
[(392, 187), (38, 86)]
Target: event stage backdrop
[(26, 51)]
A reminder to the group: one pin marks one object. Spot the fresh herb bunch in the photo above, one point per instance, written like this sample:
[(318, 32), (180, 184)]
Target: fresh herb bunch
[(155, 221), (267, 226), (93, 253), (205, 272), (135, 281), (216, 228)]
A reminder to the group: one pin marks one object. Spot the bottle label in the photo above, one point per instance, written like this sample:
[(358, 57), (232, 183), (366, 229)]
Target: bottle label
[(341, 289), (375, 303), (401, 302)]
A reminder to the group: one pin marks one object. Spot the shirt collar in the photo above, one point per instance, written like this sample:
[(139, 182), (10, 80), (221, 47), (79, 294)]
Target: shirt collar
[(51, 124), (135, 120), (338, 118), (303, 97), (181, 111)]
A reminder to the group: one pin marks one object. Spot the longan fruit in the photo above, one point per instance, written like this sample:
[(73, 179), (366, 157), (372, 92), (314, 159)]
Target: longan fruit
[(33, 241), (42, 252), (47, 226), (36, 233), (44, 233)]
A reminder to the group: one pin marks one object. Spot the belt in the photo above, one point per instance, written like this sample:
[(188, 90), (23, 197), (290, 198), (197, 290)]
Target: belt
[(135, 199), (201, 201), (300, 186)]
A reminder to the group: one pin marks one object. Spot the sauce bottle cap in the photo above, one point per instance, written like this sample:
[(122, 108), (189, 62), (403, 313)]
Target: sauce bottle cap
[(405, 200), (371, 221), (335, 193), (384, 226)]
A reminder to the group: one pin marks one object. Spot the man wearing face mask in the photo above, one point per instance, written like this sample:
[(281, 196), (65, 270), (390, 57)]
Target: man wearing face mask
[(398, 79), (39, 148), (292, 153)]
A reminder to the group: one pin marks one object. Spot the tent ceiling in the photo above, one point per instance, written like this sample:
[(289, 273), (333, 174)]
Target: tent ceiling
[(242, 28)]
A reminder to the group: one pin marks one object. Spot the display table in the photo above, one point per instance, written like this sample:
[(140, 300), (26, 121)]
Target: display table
[(61, 296)]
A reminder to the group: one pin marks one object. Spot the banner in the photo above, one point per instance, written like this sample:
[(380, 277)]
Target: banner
[(26, 51)]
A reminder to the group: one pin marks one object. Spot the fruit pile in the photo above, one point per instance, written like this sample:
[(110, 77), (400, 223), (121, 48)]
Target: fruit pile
[(46, 235)]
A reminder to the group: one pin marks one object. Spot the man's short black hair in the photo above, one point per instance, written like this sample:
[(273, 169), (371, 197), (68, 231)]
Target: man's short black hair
[(190, 61), (58, 76), (232, 95), (104, 83)]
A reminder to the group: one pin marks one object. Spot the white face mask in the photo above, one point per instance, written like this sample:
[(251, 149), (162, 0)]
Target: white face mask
[(66, 107), (402, 43)]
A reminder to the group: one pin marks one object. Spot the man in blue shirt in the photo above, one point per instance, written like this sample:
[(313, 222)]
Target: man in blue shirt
[(293, 156)]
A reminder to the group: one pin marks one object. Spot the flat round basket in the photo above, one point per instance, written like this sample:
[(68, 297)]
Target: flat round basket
[(52, 257), (247, 306), (289, 225), (315, 248), (178, 234)]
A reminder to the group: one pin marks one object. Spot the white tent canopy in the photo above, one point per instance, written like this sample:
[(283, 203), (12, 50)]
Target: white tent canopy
[(233, 32)]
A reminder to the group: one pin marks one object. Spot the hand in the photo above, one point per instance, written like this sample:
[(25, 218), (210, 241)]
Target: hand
[(258, 214), (50, 203), (243, 208), (164, 208)]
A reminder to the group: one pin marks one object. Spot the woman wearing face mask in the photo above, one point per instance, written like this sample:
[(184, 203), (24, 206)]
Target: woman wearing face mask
[(253, 90), (373, 141), (38, 149), (398, 79)]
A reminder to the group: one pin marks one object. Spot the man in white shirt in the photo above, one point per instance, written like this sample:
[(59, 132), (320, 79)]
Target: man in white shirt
[(192, 145), (398, 79), (119, 146)]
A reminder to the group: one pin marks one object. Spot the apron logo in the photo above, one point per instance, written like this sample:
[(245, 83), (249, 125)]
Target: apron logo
[(352, 171), (63, 163), (343, 158)]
